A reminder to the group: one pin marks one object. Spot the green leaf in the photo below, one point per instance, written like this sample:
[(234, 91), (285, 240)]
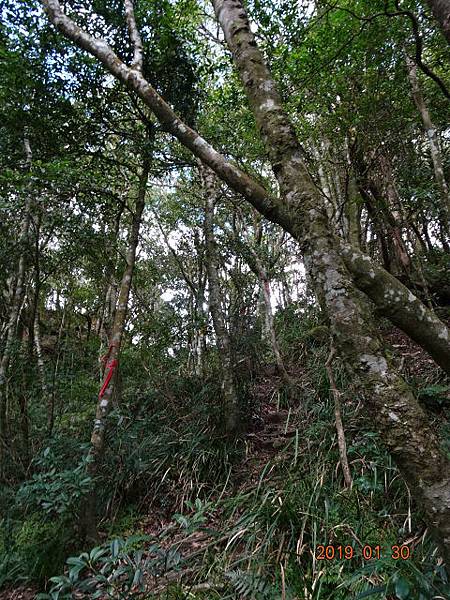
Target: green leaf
[(96, 553), (372, 592), (137, 578), (115, 547), (402, 588)]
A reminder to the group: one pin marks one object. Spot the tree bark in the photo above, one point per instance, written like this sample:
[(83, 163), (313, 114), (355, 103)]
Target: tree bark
[(353, 213), (441, 12), (393, 212), (200, 312), (47, 396), (16, 304), (232, 419)]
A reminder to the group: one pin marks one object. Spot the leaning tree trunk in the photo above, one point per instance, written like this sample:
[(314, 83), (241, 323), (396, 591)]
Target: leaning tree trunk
[(16, 304), (435, 151), (231, 405), (111, 360), (391, 298)]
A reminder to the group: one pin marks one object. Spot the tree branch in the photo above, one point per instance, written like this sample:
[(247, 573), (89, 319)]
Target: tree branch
[(240, 181), (135, 37)]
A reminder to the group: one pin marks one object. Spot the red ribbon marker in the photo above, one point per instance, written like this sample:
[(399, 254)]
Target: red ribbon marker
[(104, 358), (111, 366)]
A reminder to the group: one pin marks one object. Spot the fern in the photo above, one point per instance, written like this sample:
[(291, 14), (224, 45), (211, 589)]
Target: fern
[(251, 585)]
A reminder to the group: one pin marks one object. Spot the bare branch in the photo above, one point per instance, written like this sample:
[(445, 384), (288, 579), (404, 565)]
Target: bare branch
[(135, 36)]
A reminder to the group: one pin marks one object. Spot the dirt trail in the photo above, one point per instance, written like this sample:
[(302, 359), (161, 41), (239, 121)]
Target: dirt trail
[(276, 430)]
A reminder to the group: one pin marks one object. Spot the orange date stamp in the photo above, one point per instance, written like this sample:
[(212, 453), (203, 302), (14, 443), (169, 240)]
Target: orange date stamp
[(367, 552)]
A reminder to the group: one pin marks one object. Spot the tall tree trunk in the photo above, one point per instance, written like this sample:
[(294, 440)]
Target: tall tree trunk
[(200, 325), (384, 241), (352, 208), (390, 296), (52, 397), (435, 151), (36, 337), (200, 309), (14, 313), (231, 405), (112, 291), (112, 358), (46, 393)]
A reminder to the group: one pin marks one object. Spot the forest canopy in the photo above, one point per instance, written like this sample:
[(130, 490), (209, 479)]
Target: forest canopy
[(225, 307)]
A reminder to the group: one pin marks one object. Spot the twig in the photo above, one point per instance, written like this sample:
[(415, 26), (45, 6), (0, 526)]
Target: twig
[(338, 420)]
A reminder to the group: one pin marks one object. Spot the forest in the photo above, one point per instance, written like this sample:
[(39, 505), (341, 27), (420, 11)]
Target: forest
[(225, 299)]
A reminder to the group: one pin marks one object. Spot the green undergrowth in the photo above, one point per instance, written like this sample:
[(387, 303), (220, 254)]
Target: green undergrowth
[(185, 513), (260, 539)]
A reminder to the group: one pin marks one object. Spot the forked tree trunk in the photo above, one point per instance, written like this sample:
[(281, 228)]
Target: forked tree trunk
[(232, 419), (111, 360)]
